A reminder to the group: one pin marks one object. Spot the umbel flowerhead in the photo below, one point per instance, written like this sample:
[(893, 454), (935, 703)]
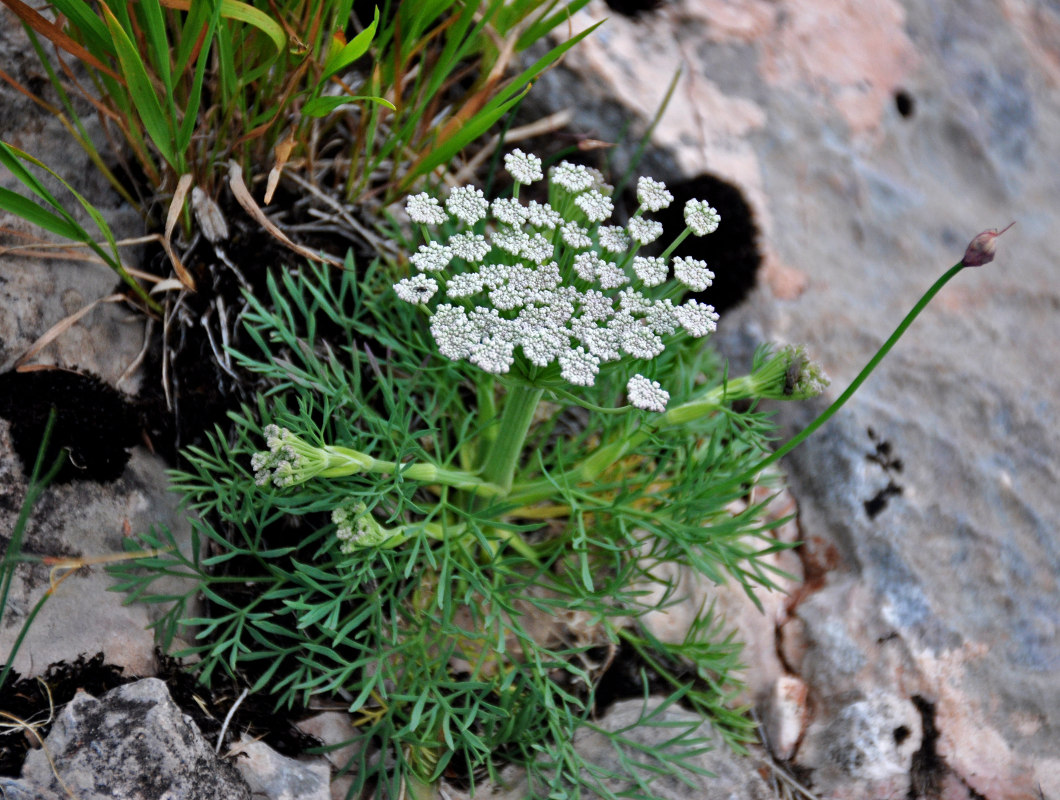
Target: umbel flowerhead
[(535, 287)]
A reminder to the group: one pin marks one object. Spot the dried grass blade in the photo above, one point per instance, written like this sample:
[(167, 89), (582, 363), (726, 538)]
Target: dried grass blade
[(175, 207), (245, 199), (54, 34), (60, 327)]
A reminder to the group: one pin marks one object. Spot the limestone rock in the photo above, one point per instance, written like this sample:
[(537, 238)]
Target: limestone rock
[(872, 142), (277, 777), (133, 742)]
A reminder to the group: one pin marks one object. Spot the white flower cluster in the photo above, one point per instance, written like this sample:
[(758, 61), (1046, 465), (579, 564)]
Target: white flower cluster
[(551, 283)]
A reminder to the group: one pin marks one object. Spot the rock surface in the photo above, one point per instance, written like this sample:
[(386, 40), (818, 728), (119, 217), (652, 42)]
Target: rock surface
[(83, 518), (133, 742), (872, 142), (731, 777)]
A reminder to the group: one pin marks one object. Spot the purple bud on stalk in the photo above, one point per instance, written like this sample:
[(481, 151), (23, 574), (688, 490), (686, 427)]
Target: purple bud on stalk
[(981, 249)]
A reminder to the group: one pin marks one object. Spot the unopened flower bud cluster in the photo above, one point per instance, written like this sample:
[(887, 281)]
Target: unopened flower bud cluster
[(355, 528), (552, 283), (282, 462)]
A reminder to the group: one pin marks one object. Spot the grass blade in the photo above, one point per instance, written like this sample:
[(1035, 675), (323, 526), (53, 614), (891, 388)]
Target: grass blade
[(155, 120)]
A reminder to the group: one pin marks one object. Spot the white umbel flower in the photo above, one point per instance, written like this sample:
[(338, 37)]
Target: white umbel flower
[(650, 269), (644, 231), (417, 289), (467, 204), (575, 236), (424, 209), (693, 273), (613, 239), (432, 257), (647, 394), (597, 206), (524, 167), (579, 367), (551, 295), (701, 218), (572, 177), (471, 247), (653, 195), (698, 319)]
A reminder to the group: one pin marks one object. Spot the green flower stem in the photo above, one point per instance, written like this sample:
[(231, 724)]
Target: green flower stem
[(343, 461), (750, 386), (592, 467), (669, 251), (827, 414), (502, 457)]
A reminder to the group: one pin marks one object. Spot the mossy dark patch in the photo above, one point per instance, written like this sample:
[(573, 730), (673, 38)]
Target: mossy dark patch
[(904, 104), (929, 768), (94, 422), (633, 8)]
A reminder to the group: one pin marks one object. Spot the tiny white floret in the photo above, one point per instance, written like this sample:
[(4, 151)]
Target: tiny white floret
[(471, 247), (524, 167), (698, 319), (597, 206), (509, 211), (650, 269), (653, 195), (467, 204), (647, 394), (464, 284), (575, 236), (579, 367), (572, 177), (693, 273), (417, 289), (432, 257), (424, 209), (701, 218), (644, 231), (613, 239), (543, 216)]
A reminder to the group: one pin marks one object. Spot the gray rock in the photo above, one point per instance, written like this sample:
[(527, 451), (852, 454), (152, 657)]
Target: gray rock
[(731, 776), (79, 519), (38, 292), (87, 520), (132, 743), (932, 555), (277, 777)]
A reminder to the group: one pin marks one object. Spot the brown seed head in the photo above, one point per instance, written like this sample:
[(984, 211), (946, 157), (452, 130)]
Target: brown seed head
[(981, 249)]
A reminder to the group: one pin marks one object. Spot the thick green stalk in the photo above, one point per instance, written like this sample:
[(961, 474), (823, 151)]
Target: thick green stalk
[(502, 458), (343, 461)]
